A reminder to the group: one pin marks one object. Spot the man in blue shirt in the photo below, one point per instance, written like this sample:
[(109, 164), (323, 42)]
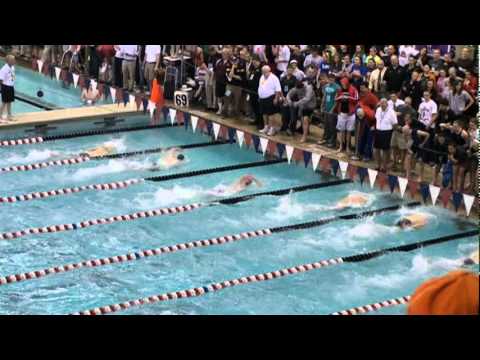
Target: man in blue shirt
[(329, 92)]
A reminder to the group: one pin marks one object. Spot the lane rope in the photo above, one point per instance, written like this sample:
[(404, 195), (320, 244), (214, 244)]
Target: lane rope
[(375, 306), (8, 279), (122, 184), (141, 214), (84, 158), (41, 139), (199, 291)]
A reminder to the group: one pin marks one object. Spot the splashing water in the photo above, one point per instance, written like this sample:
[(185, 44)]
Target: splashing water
[(165, 197), (33, 156), (113, 166)]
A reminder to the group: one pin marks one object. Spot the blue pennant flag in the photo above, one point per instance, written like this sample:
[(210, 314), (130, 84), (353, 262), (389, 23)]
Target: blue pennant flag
[(306, 157), (209, 128), (166, 113), (186, 119), (280, 149), (106, 91), (231, 135), (425, 191), (256, 141), (392, 181), (51, 71), (145, 104), (362, 173), (126, 97), (335, 166), (457, 200), (70, 77)]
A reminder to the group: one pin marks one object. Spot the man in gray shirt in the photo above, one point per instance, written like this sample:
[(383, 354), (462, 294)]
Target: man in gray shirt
[(302, 101)]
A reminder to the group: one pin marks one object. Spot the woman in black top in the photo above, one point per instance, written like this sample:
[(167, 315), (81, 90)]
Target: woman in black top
[(459, 137)]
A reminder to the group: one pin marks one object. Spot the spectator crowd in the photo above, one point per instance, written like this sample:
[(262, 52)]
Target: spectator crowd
[(406, 107)]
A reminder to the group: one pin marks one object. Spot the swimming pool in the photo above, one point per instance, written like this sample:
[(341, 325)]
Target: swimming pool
[(321, 291)]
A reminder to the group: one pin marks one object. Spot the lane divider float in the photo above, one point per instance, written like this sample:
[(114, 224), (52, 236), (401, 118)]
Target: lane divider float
[(374, 307), (203, 290)]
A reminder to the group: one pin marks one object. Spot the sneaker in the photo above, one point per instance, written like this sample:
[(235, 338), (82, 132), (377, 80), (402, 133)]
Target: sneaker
[(265, 130)]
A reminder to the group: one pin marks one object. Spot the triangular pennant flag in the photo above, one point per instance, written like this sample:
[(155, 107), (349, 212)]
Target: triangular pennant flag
[(334, 165), (424, 191), (46, 69), (280, 150), (289, 149), (445, 195), (180, 117), (248, 140), (325, 164), (173, 114), (392, 181), (34, 64), (434, 192), (297, 155), (315, 160), (468, 200), (145, 103), (75, 79), (186, 120), (457, 200), (362, 173), (93, 83), (352, 171), (138, 101), (126, 97), (402, 184), (372, 175), (264, 144), (240, 137), (194, 120), (307, 156), (101, 90), (231, 135), (51, 71), (216, 130), (223, 133), (256, 141), (151, 108), (40, 65), (131, 99), (413, 188), (343, 167), (271, 147), (58, 71), (209, 127), (113, 94), (120, 94), (165, 112), (382, 180)]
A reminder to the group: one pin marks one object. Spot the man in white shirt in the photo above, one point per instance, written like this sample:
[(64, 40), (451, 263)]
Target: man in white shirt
[(269, 94), (386, 120), (129, 54), (404, 53), (428, 111), (395, 102), (7, 82), (152, 62), (282, 59)]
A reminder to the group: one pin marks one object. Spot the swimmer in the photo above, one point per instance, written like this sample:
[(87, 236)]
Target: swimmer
[(352, 200), (90, 96), (238, 186), (103, 150), (173, 157), (414, 221), (472, 259)]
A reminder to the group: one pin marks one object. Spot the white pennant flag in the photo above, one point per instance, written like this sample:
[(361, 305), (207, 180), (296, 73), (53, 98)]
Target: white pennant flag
[(264, 144), (58, 71), (40, 65), (468, 200), (434, 191), (216, 130), (93, 83), (240, 137), (113, 93), (75, 79), (289, 150), (173, 114), (194, 120), (151, 108), (343, 167), (132, 99), (372, 175), (402, 183), (315, 160)]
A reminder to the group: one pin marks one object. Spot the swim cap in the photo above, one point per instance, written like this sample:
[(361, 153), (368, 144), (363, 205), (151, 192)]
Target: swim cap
[(453, 294), (180, 157), (403, 222), (40, 93), (248, 179)]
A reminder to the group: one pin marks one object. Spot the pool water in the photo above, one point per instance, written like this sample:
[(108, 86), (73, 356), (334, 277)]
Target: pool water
[(320, 291)]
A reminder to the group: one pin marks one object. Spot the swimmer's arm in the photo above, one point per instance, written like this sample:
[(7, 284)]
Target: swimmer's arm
[(258, 183)]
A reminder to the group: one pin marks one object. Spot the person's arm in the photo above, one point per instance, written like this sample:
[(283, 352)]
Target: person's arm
[(309, 94), (370, 82), (257, 182), (425, 135), (470, 101)]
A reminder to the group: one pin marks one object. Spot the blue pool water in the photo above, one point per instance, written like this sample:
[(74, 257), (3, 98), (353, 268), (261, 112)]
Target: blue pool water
[(317, 292)]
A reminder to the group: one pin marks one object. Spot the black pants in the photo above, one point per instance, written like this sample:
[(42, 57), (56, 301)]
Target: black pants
[(117, 70), (94, 65), (330, 128), (256, 110)]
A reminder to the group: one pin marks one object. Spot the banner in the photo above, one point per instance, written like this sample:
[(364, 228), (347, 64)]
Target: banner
[(264, 144), (402, 184), (240, 137), (315, 160), (372, 175)]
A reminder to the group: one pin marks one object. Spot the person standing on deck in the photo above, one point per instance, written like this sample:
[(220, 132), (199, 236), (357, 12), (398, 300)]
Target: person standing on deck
[(130, 53), (7, 82)]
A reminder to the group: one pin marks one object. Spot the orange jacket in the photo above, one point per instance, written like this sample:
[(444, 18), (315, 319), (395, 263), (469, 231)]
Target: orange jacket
[(157, 94)]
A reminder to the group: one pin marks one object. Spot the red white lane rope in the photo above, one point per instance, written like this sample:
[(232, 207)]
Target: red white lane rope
[(132, 256), (374, 307), (200, 291), (101, 221), (33, 140), (42, 165), (72, 190)]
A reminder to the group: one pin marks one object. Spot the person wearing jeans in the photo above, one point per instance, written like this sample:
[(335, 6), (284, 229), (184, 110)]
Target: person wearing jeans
[(366, 126)]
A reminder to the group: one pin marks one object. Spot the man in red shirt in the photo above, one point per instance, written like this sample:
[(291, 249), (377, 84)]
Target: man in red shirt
[(368, 103)]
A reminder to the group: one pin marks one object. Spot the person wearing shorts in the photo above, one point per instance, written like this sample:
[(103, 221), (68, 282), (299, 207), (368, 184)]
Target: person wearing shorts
[(7, 82), (302, 101), (386, 120), (346, 102), (269, 94)]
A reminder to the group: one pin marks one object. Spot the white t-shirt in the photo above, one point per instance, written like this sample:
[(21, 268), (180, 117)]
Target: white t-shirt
[(151, 52), (284, 56), (129, 52), (268, 86), (385, 119), (7, 75), (404, 52), (426, 111), (392, 106)]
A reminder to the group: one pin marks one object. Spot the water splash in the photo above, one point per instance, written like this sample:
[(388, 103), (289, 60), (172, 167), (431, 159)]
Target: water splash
[(33, 156), (168, 196), (112, 167)]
